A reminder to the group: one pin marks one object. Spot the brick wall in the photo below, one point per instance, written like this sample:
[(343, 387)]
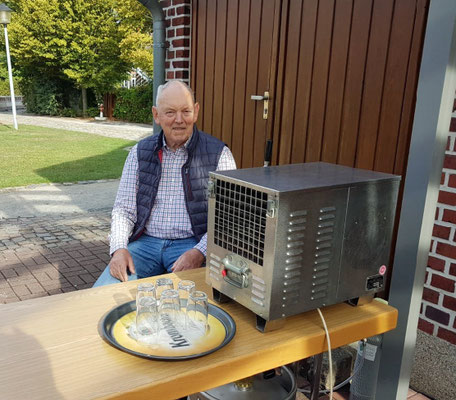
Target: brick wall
[(178, 38), (438, 308)]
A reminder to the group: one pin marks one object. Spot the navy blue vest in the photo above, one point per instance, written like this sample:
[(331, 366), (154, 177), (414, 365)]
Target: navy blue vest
[(203, 156)]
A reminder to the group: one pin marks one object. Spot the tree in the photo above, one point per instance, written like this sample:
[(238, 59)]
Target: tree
[(35, 34), (135, 21), (92, 57), (92, 43)]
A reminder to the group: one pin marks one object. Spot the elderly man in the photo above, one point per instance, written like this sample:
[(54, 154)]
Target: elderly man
[(159, 219)]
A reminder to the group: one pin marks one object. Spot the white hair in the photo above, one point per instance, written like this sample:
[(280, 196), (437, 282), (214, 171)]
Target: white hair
[(161, 88)]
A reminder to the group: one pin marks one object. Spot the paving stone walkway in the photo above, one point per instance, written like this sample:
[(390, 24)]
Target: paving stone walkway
[(41, 256), (117, 129)]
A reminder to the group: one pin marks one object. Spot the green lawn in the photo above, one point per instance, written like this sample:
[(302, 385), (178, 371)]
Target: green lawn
[(34, 154)]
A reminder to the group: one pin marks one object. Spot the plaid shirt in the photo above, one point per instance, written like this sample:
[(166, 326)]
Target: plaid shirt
[(169, 218)]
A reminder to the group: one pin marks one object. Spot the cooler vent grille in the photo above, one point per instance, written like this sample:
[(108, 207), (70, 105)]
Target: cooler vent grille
[(240, 220)]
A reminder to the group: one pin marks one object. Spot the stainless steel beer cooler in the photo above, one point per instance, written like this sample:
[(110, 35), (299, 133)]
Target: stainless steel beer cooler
[(287, 239)]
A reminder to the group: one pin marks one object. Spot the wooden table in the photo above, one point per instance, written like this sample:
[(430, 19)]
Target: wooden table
[(50, 347)]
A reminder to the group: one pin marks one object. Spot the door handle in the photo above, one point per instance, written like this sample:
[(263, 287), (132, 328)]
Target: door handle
[(265, 99), (259, 97)]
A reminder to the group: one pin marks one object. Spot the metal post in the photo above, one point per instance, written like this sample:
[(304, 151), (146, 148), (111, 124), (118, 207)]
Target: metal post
[(160, 56), (316, 376), (10, 75), (435, 96), (159, 46)]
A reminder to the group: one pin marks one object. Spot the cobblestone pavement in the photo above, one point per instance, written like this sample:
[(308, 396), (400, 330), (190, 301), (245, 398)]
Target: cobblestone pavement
[(117, 129), (41, 256)]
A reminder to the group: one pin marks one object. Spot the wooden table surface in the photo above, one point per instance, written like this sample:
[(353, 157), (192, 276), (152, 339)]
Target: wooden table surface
[(50, 347)]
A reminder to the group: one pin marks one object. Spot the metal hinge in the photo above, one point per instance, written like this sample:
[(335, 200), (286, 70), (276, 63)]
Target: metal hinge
[(271, 211)]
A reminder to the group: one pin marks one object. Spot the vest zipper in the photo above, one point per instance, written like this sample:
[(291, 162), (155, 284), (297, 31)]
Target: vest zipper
[(189, 187)]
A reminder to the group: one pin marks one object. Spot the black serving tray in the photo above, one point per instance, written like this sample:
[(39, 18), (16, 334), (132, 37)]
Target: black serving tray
[(110, 319)]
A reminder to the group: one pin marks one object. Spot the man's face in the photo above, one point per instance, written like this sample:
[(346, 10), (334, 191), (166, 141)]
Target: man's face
[(176, 114)]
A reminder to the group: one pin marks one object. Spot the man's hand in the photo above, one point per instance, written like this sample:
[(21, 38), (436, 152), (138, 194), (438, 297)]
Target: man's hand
[(189, 260), (121, 261)]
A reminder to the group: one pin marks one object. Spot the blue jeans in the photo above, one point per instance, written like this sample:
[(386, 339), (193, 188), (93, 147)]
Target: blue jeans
[(151, 256)]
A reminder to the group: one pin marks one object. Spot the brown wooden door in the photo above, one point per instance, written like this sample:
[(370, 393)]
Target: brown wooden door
[(348, 72), (342, 76), (234, 57)]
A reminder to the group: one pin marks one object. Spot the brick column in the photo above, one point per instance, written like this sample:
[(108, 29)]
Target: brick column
[(438, 309), (178, 37)]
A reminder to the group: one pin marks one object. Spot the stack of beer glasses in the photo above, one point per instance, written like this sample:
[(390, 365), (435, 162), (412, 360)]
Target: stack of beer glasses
[(159, 305)]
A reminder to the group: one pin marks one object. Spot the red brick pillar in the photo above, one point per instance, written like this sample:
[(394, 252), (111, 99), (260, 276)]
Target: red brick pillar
[(438, 309), (178, 36)]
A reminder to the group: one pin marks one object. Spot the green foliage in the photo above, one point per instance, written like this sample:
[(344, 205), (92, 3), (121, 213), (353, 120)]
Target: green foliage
[(135, 22), (4, 87), (93, 112), (73, 113), (4, 78), (134, 104), (68, 112), (35, 36), (90, 44), (3, 67), (92, 58), (53, 97), (41, 96)]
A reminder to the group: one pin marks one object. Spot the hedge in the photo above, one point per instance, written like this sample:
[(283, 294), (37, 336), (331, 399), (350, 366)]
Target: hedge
[(135, 104)]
